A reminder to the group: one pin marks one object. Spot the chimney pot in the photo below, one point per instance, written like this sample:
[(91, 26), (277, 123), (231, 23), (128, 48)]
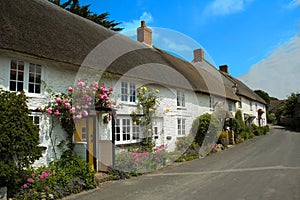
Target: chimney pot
[(144, 34), (198, 55), (224, 68)]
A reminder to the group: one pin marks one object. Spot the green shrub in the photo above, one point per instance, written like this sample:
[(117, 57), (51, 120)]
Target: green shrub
[(204, 124), (240, 121), (69, 175), (19, 138), (183, 143)]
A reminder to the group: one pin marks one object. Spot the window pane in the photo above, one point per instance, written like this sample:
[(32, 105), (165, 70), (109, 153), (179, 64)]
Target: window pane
[(31, 68), (19, 86), (20, 76), (31, 88), (37, 88), (118, 138), (31, 78), (13, 75), (12, 86), (38, 69), (21, 65), (13, 64)]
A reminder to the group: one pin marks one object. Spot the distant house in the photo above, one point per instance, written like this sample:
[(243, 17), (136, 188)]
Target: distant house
[(42, 42), (253, 107)]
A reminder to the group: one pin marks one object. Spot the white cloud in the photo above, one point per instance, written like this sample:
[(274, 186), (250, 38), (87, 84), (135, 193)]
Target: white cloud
[(278, 74), (225, 7), (130, 27), (293, 4), (175, 46)]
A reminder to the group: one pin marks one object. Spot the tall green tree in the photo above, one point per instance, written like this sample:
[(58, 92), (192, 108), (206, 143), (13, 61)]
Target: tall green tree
[(84, 11), (264, 95), (19, 138)]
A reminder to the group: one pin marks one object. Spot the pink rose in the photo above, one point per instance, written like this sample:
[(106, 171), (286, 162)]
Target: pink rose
[(56, 113), (85, 113), (30, 180), (49, 110), (72, 110), (70, 89), (57, 99)]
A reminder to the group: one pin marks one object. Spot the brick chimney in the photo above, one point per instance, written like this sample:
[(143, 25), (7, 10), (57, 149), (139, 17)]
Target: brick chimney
[(144, 34), (198, 55), (224, 68)]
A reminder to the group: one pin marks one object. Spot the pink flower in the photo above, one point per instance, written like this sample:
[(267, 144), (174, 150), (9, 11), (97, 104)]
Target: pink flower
[(79, 116), (24, 186), (85, 106), (80, 83), (72, 110), (70, 89), (109, 105), (65, 101), (30, 180), (88, 98), (33, 175), (85, 113), (49, 110), (56, 113), (111, 89), (78, 107), (57, 99), (68, 105)]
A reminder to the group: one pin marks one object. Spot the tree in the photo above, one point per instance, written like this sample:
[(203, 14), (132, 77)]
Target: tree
[(290, 105), (84, 11), (19, 138), (202, 125), (265, 96)]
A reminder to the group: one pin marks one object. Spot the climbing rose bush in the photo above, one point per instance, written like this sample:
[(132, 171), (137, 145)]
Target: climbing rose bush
[(78, 100)]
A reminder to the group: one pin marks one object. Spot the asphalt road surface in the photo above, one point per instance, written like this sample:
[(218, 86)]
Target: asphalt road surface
[(266, 167)]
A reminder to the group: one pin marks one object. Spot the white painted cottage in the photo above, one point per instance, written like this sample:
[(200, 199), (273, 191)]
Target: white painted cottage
[(42, 42), (253, 107)]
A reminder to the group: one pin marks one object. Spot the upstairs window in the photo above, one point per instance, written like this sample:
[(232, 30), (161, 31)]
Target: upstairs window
[(180, 99), (128, 92), (34, 83), (25, 76), (16, 83), (212, 102)]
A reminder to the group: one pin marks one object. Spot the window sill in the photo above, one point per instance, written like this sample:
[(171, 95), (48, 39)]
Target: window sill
[(181, 108)]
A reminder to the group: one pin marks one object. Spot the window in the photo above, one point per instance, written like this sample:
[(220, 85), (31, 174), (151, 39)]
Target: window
[(230, 106), (126, 131), (35, 118), (251, 108), (128, 90), (25, 76), (240, 103), (180, 99), (16, 76), (212, 102), (34, 82), (181, 126)]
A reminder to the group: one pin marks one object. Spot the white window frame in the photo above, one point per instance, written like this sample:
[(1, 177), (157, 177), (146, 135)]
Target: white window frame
[(180, 99), (126, 132), (212, 102), (181, 126), (34, 116), (128, 92), (26, 79)]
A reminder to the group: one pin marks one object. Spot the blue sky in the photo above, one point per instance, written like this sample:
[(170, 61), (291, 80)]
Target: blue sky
[(239, 33)]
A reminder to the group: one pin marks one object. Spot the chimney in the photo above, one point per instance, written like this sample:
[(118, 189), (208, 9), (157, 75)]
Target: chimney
[(198, 55), (144, 34), (224, 68)]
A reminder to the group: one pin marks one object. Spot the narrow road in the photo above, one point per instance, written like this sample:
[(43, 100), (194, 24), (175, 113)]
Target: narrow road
[(266, 167)]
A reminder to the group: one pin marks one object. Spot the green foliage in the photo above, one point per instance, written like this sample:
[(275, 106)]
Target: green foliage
[(19, 138), (290, 105), (190, 153), (241, 124), (183, 143), (204, 124), (84, 11), (69, 175), (260, 130), (264, 95)]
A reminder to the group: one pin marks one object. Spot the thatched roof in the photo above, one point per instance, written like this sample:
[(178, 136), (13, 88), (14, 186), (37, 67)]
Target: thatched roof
[(42, 29), (244, 90)]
